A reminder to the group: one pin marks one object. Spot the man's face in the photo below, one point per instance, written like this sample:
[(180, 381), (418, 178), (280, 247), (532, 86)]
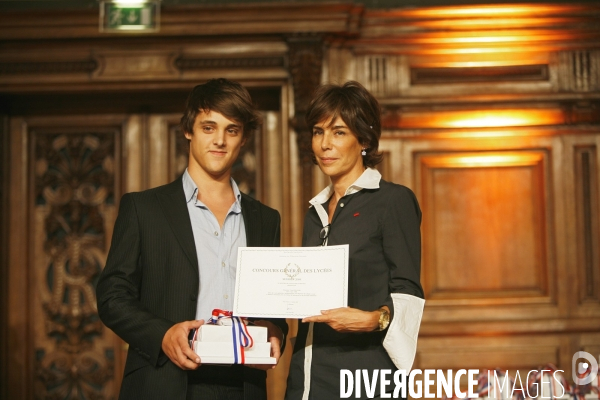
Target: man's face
[(214, 144)]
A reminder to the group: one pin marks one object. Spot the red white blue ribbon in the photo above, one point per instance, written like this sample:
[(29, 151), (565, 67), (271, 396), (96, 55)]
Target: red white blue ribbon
[(239, 332), (218, 314), (241, 340)]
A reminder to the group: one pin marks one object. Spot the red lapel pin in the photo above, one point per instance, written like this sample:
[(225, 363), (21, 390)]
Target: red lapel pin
[(356, 214)]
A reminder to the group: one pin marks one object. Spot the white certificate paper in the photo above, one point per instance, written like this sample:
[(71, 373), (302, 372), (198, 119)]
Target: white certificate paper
[(290, 282)]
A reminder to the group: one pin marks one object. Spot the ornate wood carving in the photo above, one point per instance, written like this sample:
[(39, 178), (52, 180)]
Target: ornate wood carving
[(305, 64), (73, 191)]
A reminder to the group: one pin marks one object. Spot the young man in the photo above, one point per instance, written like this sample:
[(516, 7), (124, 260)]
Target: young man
[(173, 258)]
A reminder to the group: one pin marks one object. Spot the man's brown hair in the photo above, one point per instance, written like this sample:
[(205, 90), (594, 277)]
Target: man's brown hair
[(226, 97)]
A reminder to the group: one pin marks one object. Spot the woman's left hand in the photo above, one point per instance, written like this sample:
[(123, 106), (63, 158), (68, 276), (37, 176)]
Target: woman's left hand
[(348, 319)]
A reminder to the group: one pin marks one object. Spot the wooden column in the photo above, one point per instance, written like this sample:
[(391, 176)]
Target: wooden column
[(3, 254), (305, 65)]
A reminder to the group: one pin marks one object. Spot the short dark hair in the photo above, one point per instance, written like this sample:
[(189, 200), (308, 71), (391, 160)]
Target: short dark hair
[(357, 108), (225, 97)]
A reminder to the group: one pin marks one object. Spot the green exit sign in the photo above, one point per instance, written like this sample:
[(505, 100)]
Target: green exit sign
[(129, 15)]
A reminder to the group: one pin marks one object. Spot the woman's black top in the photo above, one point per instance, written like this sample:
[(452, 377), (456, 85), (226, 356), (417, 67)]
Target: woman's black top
[(382, 228)]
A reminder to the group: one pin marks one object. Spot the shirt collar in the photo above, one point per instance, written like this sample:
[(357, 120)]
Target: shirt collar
[(190, 189), (369, 179)]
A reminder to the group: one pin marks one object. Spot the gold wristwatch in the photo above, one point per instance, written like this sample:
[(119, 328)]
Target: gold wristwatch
[(384, 319)]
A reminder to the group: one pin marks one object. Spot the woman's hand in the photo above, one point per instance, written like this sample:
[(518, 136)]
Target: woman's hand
[(348, 319)]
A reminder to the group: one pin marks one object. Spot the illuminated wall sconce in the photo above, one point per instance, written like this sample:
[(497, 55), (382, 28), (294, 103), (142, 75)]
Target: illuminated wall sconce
[(129, 16)]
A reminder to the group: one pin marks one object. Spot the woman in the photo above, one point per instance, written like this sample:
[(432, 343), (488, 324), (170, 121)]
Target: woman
[(380, 222)]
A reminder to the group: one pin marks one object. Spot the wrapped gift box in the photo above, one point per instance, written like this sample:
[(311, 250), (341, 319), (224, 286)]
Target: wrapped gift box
[(222, 333), (214, 345)]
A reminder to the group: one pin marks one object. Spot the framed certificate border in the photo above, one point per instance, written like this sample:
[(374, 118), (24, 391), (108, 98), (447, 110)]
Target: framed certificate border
[(290, 282)]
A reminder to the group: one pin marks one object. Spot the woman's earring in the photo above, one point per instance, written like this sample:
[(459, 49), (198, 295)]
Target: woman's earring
[(363, 152)]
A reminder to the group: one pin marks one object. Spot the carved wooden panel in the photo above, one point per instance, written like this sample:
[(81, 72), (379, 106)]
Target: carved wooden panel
[(74, 189), (485, 225)]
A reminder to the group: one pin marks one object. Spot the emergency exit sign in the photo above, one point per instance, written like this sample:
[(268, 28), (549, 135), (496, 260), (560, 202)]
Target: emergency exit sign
[(119, 16)]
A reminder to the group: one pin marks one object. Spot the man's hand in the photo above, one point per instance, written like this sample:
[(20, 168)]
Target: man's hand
[(176, 346), (275, 337), (347, 319)]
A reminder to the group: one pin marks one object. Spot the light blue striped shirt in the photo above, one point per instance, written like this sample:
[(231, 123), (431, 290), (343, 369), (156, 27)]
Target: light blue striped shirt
[(216, 248)]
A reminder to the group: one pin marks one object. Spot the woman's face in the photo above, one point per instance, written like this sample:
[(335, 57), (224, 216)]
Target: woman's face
[(337, 149)]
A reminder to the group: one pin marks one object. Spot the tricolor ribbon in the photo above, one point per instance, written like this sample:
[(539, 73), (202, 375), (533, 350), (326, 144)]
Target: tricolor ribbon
[(239, 332), (241, 340), (219, 316)]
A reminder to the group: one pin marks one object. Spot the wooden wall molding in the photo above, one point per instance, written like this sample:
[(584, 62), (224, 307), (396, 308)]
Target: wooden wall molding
[(253, 61), (35, 68), (408, 79), (185, 64), (135, 65), (429, 76), (191, 20)]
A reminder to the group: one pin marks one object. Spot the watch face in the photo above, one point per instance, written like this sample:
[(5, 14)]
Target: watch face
[(384, 319)]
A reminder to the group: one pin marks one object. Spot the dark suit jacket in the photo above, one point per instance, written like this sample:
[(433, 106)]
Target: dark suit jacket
[(151, 282)]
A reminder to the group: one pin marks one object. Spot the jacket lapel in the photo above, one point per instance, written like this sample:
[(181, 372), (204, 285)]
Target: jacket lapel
[(252, 221), (172, 202)]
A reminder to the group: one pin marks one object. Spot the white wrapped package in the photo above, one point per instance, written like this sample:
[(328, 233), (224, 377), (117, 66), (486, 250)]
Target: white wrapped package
[(215, 345)]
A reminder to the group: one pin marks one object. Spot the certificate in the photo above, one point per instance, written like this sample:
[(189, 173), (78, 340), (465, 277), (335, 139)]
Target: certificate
[(290, 282)]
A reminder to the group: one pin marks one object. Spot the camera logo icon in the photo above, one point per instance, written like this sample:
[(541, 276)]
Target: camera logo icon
[(585, 371)]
